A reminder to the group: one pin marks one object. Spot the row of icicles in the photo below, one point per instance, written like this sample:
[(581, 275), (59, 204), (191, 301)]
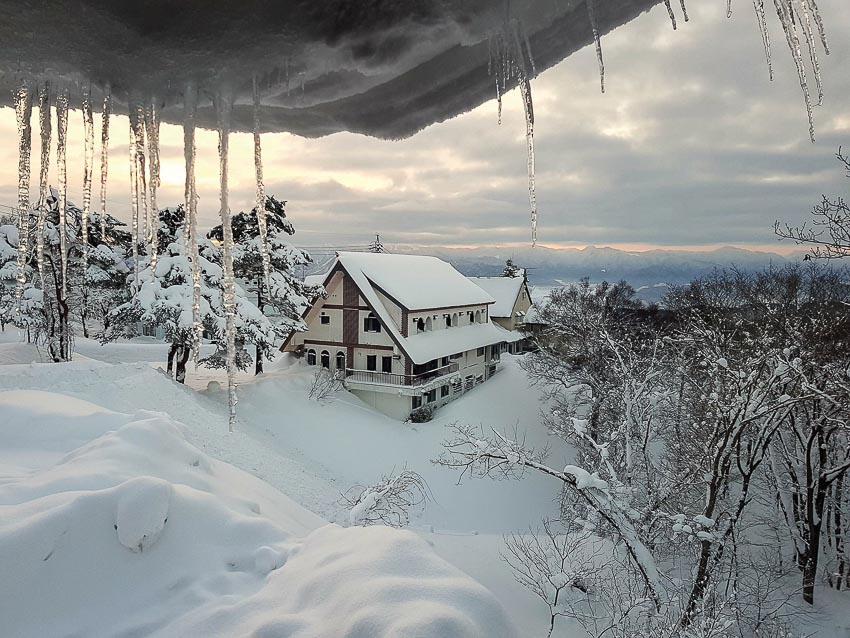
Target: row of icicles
[(144, 182), (510, 58)]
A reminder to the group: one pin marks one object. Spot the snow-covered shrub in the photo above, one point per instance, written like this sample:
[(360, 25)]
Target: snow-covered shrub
[(422, 414), (325, 383), (388, 502)]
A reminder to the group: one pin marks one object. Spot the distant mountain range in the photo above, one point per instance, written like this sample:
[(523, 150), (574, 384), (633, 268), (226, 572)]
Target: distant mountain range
[(651, 272)]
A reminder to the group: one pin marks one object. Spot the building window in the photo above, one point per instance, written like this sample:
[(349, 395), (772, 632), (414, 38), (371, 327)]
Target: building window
[(448, 319), (386, 364), (340, 360), (431, 396), (477, 316), (417, 401), (420, 325), (471, 316), (458, 355), (371, 362), (480, 352), (326, 359), (149, 330), (444, 361), (454, 319), (371, 323), (324, 319), (311, 357), (428, 325), (444, 391)]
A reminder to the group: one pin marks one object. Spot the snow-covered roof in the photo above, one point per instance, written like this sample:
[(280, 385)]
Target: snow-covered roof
[(434, 344), (415, 281), (315, 280), (504, 290), (422, 282)]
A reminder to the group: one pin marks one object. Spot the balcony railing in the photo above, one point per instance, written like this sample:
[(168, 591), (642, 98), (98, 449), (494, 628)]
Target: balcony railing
[(387, 378)]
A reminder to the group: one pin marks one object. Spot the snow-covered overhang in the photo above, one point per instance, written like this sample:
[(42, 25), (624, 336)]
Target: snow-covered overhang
[(386, 68)]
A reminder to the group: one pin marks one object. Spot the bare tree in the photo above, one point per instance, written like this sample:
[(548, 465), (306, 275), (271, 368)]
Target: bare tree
[(388, 502)]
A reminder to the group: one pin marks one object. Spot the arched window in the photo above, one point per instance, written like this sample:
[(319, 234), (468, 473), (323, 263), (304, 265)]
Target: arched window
[(428, 324), (311, 357), (420, 325), (448, 320), (340, 360), (454, 318), (326, 359), (471, 316), (477, 316)]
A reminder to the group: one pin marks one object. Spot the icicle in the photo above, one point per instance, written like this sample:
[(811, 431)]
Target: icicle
[(190, 230), (137, 122), (758, 5), (787, 19), (261, 191), (61, 143), (134, 196), (684, 10), (224, 105), (104, 158), (670, 13), (597, 41), (808, 33), (152, 128), (813, 9), (529, 54), (728, 8), (23, 113), (528, 108), (44, 168), (88, 164)]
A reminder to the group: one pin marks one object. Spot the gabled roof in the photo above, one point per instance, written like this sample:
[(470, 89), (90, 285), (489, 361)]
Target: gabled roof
[(504, 290), (399, 272), (414, 281)]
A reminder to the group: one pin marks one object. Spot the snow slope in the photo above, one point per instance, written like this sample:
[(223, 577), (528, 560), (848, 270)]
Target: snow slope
[(138, 532)]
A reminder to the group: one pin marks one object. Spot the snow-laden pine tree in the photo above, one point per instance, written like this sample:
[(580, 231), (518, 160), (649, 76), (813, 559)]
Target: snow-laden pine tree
[(284, 297), (48, 310), (511, 269)]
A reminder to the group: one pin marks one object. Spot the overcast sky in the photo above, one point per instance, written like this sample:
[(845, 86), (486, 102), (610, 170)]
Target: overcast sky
[(691, 146)]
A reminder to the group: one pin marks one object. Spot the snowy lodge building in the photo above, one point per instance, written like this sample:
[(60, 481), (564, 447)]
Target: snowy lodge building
[(403, 330), (512, 304)]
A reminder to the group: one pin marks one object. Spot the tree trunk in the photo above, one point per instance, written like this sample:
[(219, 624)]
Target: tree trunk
[(182, 358), (172, 351), (258, 365)]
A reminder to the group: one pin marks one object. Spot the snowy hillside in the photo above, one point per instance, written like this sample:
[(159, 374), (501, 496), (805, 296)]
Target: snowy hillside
[(114, 524), (240, 532)]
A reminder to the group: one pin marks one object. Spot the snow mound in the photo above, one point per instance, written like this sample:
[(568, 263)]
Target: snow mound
[(205, 562), (142, 512)]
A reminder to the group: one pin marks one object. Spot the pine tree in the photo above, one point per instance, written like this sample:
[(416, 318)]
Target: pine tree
[(284, 297), (511, 269)]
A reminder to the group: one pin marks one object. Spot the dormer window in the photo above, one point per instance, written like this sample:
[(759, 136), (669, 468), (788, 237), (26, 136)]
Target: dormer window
[(371, 323)]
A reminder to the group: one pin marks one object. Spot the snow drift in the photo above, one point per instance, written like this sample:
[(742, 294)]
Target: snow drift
[(137, 532)]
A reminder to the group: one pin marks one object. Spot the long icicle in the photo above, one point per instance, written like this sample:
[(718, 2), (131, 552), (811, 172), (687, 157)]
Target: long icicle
[(592, 15), (134, 194), (806, 23), (61, 161), (224, 105), (261, 191), (684, 10), (23, 113), (88, 165), (783, 10), (104, 157), (813, 7), (141, 168), (190, 222), (758, 5), (152, 127), (528, 108), (44, 168)]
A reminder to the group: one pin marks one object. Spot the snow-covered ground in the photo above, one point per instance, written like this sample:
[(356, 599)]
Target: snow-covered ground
[(75, 436)]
